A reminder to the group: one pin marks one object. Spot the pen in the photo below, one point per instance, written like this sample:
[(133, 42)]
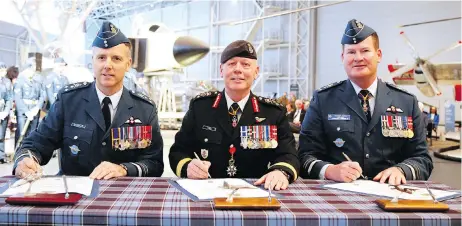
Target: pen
[(431, 193), (348, 158), (269, 193), (32, 157), (197, 157), (65, 187)]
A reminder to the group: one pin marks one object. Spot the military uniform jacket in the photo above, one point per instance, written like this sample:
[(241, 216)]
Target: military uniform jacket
[(54, 83), (207, 128), (29, 93), (6, 95), (336, 123), (75, 124)]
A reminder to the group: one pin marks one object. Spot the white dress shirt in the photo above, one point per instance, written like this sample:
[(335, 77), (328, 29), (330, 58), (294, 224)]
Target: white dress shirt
[(372, 89), (115, 98), (241, 103), (297, 115)]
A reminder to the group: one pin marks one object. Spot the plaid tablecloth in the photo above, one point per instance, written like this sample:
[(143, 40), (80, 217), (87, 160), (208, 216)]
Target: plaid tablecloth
[(153, 201)]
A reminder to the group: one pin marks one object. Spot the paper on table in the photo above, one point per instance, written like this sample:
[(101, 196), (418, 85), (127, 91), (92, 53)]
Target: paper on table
[(52, 185), (368, 187), (213, 188)]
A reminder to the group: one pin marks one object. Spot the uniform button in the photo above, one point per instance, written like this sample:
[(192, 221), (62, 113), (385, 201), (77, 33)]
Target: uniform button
[(368, 134), (367, 156), (75, 137), (104, 143), (206, 140), (338, 128)]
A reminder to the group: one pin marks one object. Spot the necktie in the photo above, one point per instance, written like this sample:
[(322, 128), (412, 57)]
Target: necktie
[(106, 112), (233, 111), (364, 96)]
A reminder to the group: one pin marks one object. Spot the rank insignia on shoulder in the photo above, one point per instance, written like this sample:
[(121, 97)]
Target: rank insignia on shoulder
[(132, 120), (206, 94), (330, 86), (142, 96), (76, 85)]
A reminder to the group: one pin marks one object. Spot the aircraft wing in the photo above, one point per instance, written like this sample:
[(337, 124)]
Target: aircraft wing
[(406, 78), (447, 73)]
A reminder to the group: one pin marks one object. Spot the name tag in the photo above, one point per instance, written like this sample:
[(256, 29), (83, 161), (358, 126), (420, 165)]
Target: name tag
[(335, 117), (78, 125)]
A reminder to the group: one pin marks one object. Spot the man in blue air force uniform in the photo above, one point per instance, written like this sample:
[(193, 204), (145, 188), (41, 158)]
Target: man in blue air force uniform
[(6, 102), (103, 130), (376, 124), (56, 81), (29, 95)]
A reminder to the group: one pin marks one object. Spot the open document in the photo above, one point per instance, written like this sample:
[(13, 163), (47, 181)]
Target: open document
[(51, 185), (220, 188), (374, 188)]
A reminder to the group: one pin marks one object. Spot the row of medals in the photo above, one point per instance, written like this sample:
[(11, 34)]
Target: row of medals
[(129, 143), (250, 142), (395, 131)]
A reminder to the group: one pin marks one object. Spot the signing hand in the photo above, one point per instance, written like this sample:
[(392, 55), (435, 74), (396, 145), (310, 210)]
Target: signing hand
[(276, 178), (393, 174), (198, 169), (26, 167), (108, 170), (344, 172)]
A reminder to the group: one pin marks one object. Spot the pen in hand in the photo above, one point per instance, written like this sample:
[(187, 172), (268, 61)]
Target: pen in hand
[(348, 158), (197, 157)]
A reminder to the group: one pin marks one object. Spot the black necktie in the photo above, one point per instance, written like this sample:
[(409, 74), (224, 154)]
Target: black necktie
[(107, 112), (233, 111), (364, 96)]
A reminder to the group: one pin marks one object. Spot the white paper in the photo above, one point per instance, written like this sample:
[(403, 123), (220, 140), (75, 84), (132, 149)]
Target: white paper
[(375, 188), (52, 185), (213, 188)]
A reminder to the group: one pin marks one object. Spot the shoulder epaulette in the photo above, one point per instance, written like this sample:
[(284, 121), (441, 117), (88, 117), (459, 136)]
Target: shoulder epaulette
[(74, 86), (398, 88), (206, 94), (269, 101), (142, 96), (330, 86)]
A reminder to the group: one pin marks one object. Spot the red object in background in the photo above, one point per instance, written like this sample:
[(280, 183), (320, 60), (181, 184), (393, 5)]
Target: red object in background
[(458, 92)]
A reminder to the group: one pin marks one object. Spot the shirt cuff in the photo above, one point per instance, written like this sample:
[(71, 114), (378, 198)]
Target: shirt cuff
[(322, 173)]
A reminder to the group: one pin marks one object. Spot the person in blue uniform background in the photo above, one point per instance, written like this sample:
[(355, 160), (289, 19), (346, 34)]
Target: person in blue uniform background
[(376, 124), (6, 103), (55, 81), (130, 82), (103, 130), (29, 96)]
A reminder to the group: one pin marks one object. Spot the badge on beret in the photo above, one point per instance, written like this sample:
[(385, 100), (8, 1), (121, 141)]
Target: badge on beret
[(250, 48), (109, 36)]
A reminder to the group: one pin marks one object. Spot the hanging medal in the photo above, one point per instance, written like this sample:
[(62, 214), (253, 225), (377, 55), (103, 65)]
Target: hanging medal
[(410, 126), (249, 137), (149, 135), (231, 167), (262, 139), (385, 132), (122, 140), (274, 136), (233, 113), (127, 138), (256, 140), (244, 137), (405, 127), (390, 126)]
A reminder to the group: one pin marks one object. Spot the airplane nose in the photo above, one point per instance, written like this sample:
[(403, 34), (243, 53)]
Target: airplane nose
[(188, 50)]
